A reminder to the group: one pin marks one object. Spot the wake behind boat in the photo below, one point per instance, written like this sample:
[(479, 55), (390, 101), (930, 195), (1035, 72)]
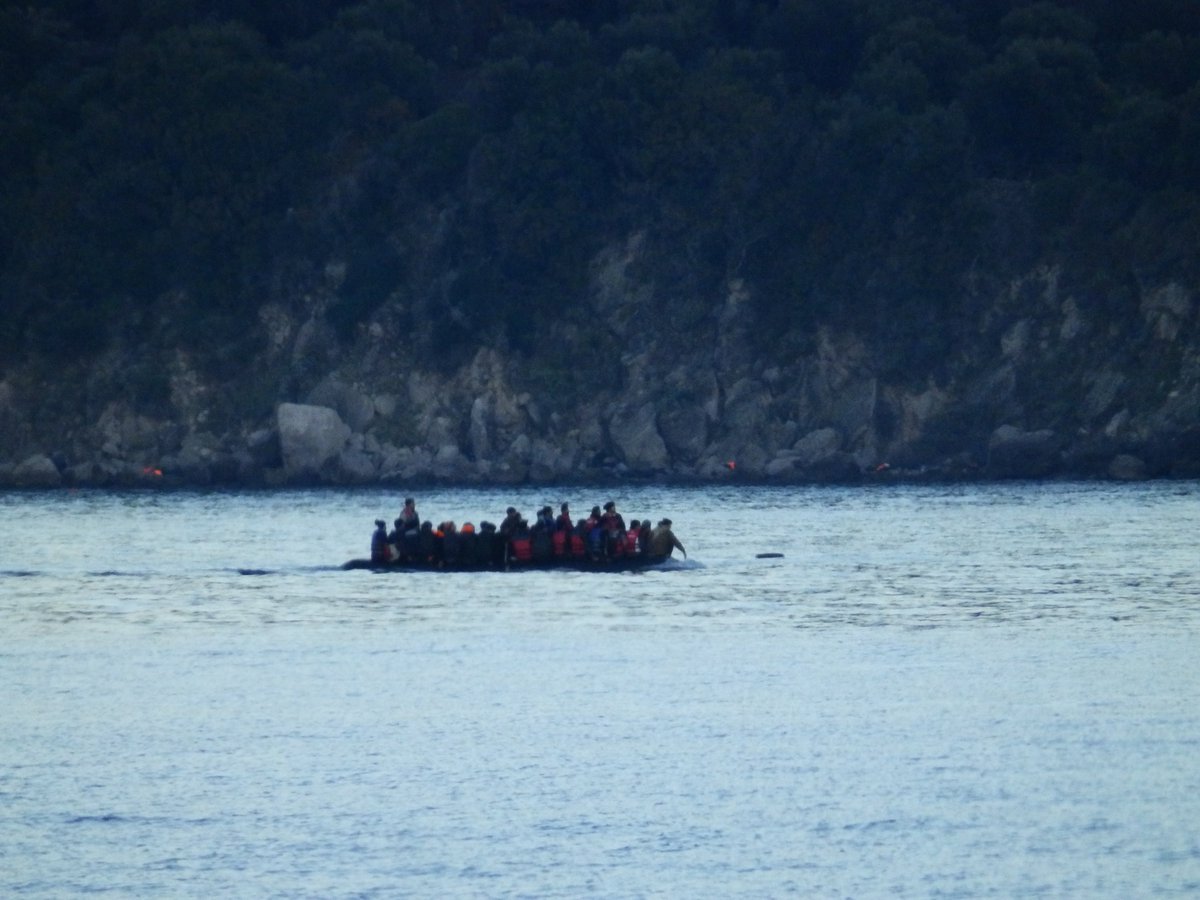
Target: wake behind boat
[(599, 543)]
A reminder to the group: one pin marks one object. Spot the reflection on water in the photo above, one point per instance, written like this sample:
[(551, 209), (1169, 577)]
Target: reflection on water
[(963, 690)]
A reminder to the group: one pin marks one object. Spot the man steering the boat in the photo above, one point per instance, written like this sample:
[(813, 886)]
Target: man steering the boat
[(663, 541)]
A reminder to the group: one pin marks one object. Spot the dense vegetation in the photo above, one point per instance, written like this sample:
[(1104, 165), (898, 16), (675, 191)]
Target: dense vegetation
[(879, 163)]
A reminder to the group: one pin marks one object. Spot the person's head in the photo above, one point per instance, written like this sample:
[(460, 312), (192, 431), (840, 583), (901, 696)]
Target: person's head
[(666, 523), (565, 508), (634, 524), (610, 506), (596, 511), (379, 523), (409, 502), (511, 511)]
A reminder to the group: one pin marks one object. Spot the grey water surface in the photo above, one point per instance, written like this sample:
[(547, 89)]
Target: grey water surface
[(936, 691)]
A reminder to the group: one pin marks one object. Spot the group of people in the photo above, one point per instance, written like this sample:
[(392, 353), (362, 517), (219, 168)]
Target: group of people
[(601, 537)]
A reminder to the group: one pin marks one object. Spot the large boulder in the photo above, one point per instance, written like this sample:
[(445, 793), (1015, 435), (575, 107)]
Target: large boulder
[(354, 407), (37, 471), (309, 436), (635, 434)]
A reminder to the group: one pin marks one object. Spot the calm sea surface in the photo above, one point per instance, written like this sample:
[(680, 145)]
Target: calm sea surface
[(968, 691)]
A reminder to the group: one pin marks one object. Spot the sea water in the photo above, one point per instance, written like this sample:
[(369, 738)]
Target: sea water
[(936, 691)]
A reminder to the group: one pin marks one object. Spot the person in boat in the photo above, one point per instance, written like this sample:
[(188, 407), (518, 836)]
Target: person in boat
[(450, 544), (427, 544), (613, 524), (520, 543), (542, 535), (467, 545), (409, 521), (643, 540), (561, 538), (511, 520), (490, 547), (663, 541), (595, 537), (379, 543), (578, 543), (632, 546)]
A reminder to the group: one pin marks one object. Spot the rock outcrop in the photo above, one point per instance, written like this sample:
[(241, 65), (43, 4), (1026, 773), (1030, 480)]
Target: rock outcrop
[(310, 437), (1040, 390)]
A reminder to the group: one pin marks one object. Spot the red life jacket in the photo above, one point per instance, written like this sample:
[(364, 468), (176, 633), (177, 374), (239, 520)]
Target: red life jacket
[(631, 542), (616, 543), (559, 540), (578, 547), (522, 549)]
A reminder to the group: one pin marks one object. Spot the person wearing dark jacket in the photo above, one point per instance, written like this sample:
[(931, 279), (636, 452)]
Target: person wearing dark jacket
[(410, 519), (511, 520), (613, 524), (428, 544), (663, 540), (379, 542)]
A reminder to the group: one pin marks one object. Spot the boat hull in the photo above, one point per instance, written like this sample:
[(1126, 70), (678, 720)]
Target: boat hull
[(618, 564)]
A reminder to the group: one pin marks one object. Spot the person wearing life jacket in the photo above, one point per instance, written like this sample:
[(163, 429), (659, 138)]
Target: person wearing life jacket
[(632, 547), (563, 522), (560, 541), (578, 541), (663, 540), (520, 544), (379, 543)]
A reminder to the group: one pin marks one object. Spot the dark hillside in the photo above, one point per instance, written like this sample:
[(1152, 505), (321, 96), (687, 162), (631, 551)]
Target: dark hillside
[(455, 170)]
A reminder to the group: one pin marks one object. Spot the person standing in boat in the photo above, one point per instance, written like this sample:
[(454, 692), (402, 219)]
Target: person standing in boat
[(663, 540), (511, 520), (410, 519)]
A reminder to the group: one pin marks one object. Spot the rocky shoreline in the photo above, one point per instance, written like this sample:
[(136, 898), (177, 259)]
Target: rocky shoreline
[(1038, 391), (313, 445)]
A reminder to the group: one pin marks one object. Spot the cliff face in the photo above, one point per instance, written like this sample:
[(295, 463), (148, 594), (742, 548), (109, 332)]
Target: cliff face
[(1035, 388), (383, 240)]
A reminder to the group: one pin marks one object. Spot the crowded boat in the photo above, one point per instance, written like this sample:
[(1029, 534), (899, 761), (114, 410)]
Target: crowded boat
[(602, 540)]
